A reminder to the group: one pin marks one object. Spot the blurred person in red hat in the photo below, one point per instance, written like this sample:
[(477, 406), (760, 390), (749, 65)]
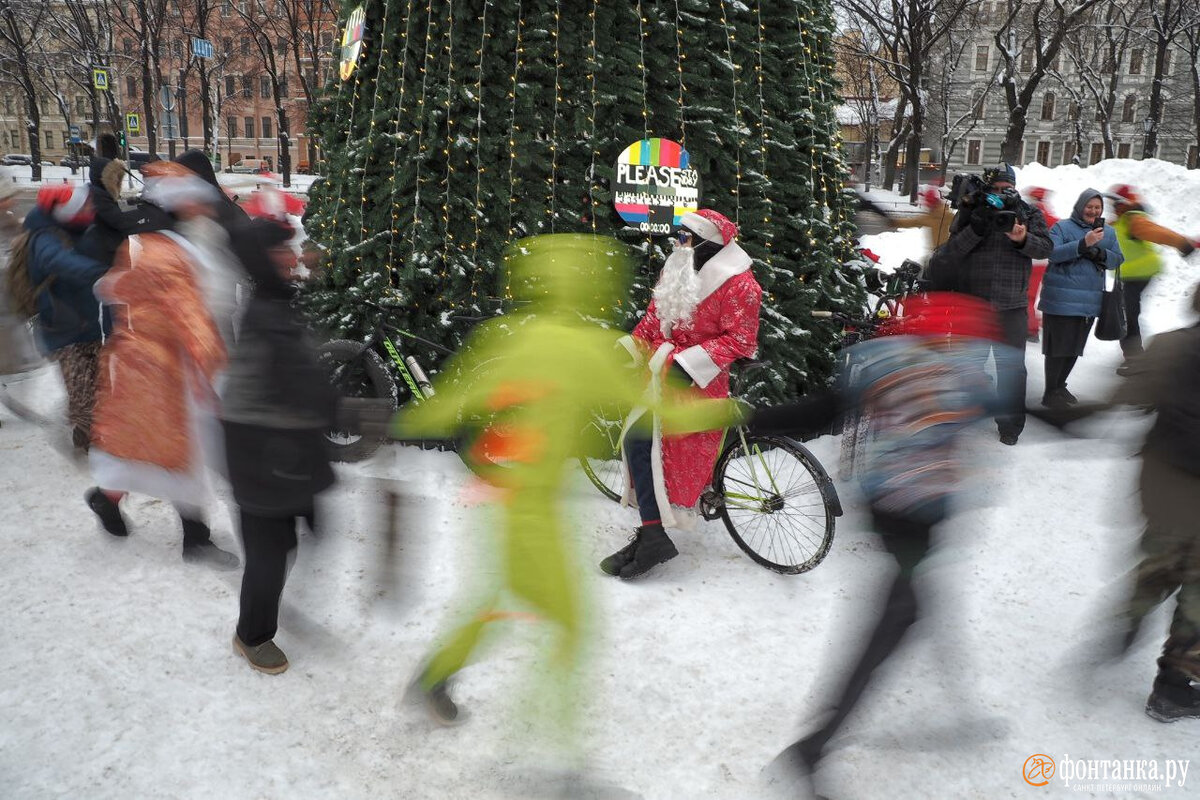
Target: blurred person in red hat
[(1137, 234), (702, 317), (70, 325), (921, 387), (1040, 196)]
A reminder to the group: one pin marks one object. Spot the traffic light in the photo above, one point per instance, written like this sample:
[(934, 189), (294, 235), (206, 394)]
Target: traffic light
[(121, 139)]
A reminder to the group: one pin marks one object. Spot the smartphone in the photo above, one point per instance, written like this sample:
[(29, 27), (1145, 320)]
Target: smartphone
[(1098, 224)]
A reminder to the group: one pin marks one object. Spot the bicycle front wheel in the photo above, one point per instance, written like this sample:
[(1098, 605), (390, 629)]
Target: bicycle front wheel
[(600, 455), (778, 504)]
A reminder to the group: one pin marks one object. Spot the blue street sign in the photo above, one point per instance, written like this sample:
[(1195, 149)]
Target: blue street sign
[(201, 48), (74, 133)]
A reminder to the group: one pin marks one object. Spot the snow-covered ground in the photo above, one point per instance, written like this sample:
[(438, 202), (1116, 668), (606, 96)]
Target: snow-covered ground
[(117, 678)]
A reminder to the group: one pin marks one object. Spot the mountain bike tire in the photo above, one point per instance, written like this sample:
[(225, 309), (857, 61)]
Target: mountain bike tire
[(355, 371), (777, 502)]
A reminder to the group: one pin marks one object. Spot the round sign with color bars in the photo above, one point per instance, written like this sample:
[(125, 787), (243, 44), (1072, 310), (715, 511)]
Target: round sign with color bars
[(655, 185), (352, 42)]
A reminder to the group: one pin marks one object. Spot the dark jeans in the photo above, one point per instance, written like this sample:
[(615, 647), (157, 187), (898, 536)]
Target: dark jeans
[(267, 541), (637, 453), (908, 541), (1131, 345), (1010, 384)]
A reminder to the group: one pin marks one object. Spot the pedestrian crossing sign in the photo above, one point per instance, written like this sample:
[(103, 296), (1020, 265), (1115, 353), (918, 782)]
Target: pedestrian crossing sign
[(100, 79)]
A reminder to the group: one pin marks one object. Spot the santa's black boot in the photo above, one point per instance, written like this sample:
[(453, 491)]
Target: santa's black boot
[(652, 548), (613, 564)]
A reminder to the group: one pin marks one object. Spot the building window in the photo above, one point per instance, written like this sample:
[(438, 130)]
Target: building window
[(227, 45), (1047, 109), (8, 104), (247, 86), (177, 48), (130, 87), (1043, 153), (979, 104), (1123, 150), (974, 148), (245, 45), (230, 86), (266, 127), (1073, 111), (226, 8), (1027, 60), (16, 139), (80, 105), (127, 46), (231, 127), (1135, 61), (1068, 152), (1097, 154), (281, 45), (1167, 63), (264, 87), (249, 123), (981, 57), (1129, 111), (49, 140), (327, 42)]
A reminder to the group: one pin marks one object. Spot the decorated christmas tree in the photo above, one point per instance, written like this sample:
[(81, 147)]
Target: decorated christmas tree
[(469, 124)]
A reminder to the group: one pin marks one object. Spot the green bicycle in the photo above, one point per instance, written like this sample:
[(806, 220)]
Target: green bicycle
[(778, 503)]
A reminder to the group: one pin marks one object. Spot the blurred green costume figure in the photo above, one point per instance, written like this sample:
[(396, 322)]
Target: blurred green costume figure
[(535, 376)]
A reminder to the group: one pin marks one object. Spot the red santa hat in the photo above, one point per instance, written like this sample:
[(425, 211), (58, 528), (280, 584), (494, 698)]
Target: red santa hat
[(69, 206), (710, 225)]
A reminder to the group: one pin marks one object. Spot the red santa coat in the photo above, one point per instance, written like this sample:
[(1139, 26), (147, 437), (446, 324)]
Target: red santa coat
[(723, 329)]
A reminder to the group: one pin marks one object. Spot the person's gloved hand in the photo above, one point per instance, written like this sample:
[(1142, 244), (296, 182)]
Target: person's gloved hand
[(981, 218), (1097, 255), (1187, 248)]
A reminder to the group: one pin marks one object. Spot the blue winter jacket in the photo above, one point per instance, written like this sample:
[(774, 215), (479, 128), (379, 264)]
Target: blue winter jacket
[(68, 311), (1073, 284)]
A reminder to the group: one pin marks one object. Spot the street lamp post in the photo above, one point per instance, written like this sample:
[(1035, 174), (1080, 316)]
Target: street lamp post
[(1147, 126)]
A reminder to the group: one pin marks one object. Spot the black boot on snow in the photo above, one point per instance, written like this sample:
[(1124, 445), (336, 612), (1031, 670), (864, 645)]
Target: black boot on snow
[(1169, 702), (653, 548), (108, 512), (436, 701), (613, 564)]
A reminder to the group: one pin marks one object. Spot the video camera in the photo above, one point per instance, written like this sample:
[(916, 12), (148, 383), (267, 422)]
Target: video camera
[(1002, 206)]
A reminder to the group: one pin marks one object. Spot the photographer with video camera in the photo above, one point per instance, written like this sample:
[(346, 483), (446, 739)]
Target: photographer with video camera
[(1084, 247), (994, 240)]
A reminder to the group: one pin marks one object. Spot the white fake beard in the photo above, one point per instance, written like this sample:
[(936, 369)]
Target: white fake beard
[(677, 292)]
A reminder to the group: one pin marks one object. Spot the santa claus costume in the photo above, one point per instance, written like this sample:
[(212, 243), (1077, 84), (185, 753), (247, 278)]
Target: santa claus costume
[(702, 318)]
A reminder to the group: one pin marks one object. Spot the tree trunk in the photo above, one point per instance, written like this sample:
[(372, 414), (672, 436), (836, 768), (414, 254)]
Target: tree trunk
[(1010, 150), (1150, 142), (34, 126)]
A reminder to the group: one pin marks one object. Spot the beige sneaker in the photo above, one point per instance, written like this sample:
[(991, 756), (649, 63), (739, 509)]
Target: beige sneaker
[(266, 657)]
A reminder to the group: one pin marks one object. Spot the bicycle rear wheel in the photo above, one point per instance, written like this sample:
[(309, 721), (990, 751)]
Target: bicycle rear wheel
[(354, 371), (778, 503)]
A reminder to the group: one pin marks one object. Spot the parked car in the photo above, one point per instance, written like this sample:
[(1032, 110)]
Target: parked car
[(73, 161), (251, 165), (17, 160)]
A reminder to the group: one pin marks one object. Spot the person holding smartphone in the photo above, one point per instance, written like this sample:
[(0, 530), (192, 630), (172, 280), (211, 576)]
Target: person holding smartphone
[(1084, 247)]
